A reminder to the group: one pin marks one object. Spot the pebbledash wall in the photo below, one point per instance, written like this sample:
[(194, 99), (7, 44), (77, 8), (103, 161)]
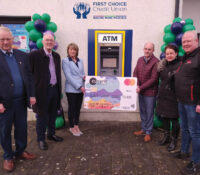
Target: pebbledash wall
[(147, 19)]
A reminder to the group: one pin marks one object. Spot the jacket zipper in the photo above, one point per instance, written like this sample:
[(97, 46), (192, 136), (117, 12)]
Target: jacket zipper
[(191, 95)]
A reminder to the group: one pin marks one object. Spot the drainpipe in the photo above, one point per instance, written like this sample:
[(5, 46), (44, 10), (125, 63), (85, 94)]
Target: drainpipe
[(176, 14)]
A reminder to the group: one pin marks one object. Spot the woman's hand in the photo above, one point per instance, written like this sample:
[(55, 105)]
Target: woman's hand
[(83, 89)]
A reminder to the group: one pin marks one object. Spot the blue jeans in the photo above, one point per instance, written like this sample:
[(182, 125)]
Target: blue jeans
[(190, 130), (147, 105)]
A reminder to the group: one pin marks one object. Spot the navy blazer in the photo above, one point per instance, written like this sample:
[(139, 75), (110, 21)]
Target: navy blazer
[(6, 81)]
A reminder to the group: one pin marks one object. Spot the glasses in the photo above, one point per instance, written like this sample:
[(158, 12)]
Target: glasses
[(5, 39)]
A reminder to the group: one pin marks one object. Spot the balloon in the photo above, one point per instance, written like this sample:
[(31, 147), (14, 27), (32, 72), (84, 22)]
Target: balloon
[(34, 49), (40, 25), (29, 25), (177, 19), (178, 39), (180, 48), (188, 27), (32, 45), (52, 26), (189, 21), (167, 28), (34, 35), (46, 17), (181, 53), (176, 28), (156, 122), (162, 55), (59, 122), (169, 37), (39, 43), (163, 47), (55, 46), (36, 17)]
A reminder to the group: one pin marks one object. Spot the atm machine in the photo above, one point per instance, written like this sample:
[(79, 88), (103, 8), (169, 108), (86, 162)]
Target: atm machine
[(109, 54)]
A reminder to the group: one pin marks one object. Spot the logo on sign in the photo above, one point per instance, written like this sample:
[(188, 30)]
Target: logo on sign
[(81, 10)]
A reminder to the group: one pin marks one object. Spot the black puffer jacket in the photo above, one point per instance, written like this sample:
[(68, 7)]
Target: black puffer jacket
[(187, 79), (167, 105)]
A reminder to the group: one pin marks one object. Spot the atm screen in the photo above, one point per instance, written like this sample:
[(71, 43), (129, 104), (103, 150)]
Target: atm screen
[(109, 63)]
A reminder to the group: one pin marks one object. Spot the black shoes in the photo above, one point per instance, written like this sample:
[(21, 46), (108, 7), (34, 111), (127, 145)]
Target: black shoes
[(180, 155), (55, 138), (172, 145), (192, 168), (43, 145), (165, 139)]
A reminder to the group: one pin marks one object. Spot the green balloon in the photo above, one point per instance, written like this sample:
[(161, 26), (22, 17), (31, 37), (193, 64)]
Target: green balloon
[(188, 21), (59, 122), (52, 26), (29, 25), (180, 49), (181, 53), (39, 43), (156, 122), (163, 47), (46, 17), (177, 20), (169, 38), (188, 27), (36, 16), (34, 35), (167, 28)]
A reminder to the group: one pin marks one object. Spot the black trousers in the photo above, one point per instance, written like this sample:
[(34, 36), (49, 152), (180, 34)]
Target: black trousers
[(175, 126), (47, 120), (74, 107)]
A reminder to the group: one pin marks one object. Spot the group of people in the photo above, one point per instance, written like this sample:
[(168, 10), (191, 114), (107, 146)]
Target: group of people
[(34, 80), (178, 95)]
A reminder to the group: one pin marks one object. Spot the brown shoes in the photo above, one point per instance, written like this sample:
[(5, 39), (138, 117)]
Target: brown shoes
[(138, 133), (26, 156), (8, 165), (147, 138)]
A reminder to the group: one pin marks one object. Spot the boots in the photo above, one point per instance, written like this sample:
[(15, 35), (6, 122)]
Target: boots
[(172, 145), (165, 139)]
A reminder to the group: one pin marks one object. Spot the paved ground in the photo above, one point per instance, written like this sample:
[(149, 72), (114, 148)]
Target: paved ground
[(106, 148)]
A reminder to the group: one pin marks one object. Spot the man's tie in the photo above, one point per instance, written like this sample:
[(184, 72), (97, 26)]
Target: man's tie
[(53, 79)]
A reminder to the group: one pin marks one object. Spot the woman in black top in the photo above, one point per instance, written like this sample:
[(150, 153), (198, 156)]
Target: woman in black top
[(167, 106)]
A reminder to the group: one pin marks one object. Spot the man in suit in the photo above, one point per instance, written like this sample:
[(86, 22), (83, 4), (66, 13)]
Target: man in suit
[(16, 93), (46, 70)]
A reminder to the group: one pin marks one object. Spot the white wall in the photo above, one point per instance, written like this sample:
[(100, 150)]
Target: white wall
[(147, 19), (191, 10)]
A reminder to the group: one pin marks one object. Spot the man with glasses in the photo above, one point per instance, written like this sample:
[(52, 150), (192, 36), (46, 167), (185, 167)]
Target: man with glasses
[(46, 70), (16, 93)]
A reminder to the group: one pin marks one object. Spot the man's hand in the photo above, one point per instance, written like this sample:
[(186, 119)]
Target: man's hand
[(2, 109), (198, 108), (138, 89), (32, 100)]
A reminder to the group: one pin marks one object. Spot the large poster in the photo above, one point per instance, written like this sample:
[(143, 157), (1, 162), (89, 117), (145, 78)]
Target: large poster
[(111, 93), (20, 34)]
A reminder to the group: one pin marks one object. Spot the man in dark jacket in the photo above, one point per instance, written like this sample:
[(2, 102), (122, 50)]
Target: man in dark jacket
[(16, 93), (46, 70), (187, 87), (147, 81)]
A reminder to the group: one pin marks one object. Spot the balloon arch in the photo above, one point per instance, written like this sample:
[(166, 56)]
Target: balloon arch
[(37, 27)]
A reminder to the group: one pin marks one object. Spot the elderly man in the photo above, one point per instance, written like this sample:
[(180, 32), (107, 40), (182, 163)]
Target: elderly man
[(16, 93), (147, 79), (46, 70), (187, 86)]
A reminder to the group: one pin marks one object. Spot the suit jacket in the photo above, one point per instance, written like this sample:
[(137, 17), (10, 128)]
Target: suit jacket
[(74, 75), (39, 63), (6, 81)]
